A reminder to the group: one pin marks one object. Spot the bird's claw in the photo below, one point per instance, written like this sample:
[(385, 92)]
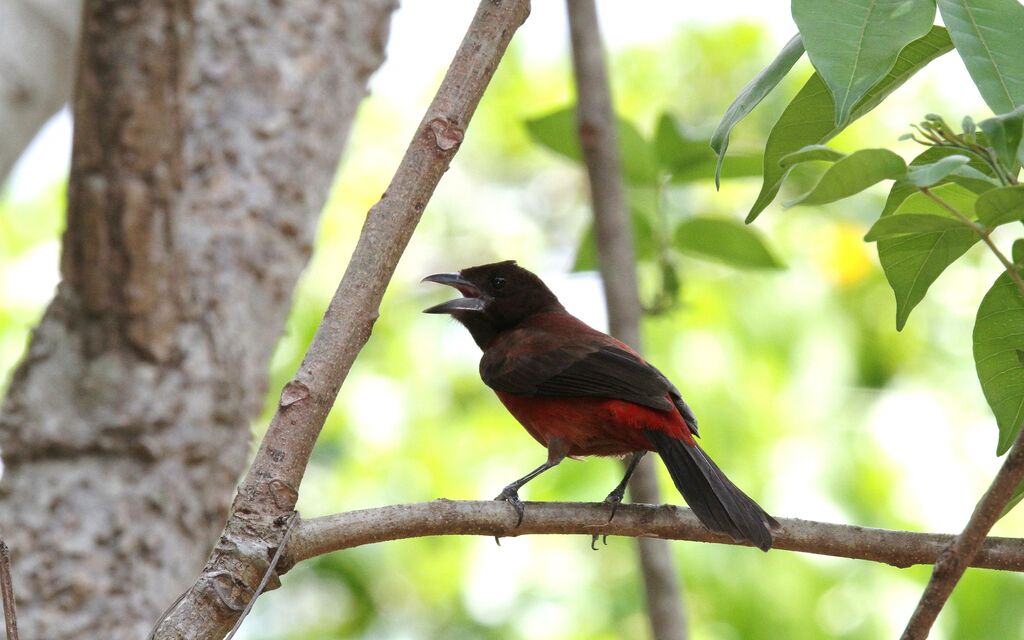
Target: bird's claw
[(511, 495), (615, 499)]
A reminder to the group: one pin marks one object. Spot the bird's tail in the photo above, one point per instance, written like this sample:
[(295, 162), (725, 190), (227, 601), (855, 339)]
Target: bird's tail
[(715, 500)]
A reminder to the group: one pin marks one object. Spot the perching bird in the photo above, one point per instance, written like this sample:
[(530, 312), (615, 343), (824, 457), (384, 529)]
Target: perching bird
[(580, 392)]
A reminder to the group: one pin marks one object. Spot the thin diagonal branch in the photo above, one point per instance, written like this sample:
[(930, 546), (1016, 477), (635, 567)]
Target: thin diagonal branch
[(614, 238), (962, 551), (318, 536), (7, 592), (267, 495)]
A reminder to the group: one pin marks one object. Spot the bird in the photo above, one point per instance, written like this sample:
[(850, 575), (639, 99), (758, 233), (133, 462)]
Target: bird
[(580, 392)]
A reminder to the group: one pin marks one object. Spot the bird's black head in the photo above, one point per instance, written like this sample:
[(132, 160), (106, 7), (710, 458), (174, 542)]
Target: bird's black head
[(495, 297)]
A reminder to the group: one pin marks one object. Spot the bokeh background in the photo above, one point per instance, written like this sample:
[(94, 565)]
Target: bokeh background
[(807, 395)]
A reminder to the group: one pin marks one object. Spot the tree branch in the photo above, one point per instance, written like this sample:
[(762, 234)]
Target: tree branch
[(268, 493), (902, 549), (957, 556), (7, 592), (614, 238), (965, 549)]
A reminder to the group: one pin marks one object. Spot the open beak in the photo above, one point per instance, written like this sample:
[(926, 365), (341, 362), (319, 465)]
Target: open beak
[(472, 300)]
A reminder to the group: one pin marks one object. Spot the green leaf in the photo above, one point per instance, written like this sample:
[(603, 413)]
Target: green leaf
[(901, 225), (853, 174), (854, 43), (988, 35), (902, 189), (961, 199), (809, 118), (1004, 136), (745, 165), (558, 132), (751, 95), (1000, 206), (726, 241), (928, 174), (1018, 252), (998, 335), (644, 243), (914, 261), (973, 179), (810, 153), (639, 165), (1015, 499), (675, 150), (688, 159)]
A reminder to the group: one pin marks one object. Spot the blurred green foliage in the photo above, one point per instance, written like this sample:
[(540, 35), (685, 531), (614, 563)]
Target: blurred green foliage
[(807, 396)]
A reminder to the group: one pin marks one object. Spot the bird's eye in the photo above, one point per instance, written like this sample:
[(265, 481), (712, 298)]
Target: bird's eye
[(498, 283)]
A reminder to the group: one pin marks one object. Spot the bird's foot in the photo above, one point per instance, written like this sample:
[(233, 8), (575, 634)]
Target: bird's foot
[(615, 499), (510, 494)]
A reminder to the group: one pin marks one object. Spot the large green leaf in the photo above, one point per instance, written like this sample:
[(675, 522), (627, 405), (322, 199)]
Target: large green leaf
[(726, 241), (558, 132), (809, 118), (912, 262), (989, 35), (1000, 206), (687, 159), (854, 43), (751, 95), (909, 223), (998, 342), (853, 174)]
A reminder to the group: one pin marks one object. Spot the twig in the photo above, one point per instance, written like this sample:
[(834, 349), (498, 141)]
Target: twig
[(961, 550), (269, 491), (7, 590), (488, 518), (965, 549), (614, 239)]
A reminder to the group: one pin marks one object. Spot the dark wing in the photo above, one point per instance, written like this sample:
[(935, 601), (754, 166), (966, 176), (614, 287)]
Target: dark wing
[(574, 371)]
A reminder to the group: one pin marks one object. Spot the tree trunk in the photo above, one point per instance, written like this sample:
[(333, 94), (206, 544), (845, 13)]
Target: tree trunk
[(207, 133), (37, 38)]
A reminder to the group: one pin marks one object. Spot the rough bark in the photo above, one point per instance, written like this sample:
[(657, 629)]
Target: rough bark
[(614, 239), (37, 43), (264, 505), (207, 135)]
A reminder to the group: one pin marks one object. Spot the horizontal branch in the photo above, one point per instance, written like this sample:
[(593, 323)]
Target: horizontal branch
[(318, 536)]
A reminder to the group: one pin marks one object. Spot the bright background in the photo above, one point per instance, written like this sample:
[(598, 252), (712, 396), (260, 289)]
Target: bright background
[(807, 395)]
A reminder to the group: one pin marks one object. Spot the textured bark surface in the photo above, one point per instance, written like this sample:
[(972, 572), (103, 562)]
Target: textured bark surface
[(207, 135), (264, 504), (37, 43)]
